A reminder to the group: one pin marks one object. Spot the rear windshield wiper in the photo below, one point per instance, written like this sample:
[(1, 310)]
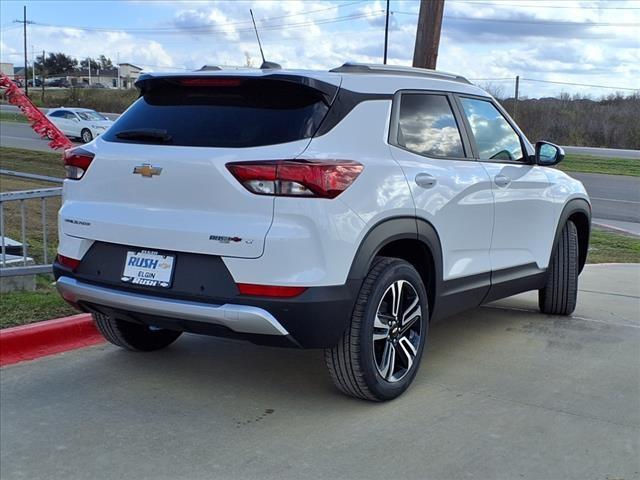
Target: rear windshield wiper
[(145, 134)]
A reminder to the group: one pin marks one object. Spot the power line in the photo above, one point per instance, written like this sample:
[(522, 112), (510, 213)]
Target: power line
[(491, 79), (206, 28), (581, 84), (511, 79), (536, 22), (581, 7), (213, 31)]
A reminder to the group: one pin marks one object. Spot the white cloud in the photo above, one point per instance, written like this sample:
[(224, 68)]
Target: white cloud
[(317, 34)]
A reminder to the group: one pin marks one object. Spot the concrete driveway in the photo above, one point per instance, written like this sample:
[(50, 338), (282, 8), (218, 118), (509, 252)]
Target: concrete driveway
[(503, 392)]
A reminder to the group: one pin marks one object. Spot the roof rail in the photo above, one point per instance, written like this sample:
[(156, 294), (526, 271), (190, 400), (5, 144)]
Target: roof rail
[(351, 67)]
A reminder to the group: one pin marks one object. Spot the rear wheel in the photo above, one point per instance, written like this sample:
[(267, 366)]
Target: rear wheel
[(559, 295), (133, 336), (86, 135), (378, 356)]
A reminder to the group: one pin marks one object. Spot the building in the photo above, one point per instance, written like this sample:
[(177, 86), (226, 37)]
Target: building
[(108, 77), (7, 69), (18, 73), (128, 74)]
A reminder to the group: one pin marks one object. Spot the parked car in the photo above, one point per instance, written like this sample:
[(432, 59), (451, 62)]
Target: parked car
[(346, 210), (98, 85), (60, 83), (80, 123)]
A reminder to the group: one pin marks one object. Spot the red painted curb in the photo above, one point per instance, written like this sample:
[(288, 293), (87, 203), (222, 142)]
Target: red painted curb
[(36, 340)]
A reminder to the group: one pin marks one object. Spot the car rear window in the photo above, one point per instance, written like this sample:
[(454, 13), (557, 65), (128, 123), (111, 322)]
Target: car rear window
[(229, 113)]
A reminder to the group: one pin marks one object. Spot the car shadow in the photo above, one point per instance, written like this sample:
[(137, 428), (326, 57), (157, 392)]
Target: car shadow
[(209, 367)]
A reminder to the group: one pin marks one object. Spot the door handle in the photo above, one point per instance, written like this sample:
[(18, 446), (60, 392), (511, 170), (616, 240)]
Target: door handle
[(502, 180), (426, 180)]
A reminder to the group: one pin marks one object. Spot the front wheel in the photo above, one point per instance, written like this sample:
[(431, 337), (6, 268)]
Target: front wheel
[(378, 356), (86, 135), (133, 336), (559, 295)]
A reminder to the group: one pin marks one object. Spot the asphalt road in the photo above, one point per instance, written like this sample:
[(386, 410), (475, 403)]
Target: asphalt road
[(20, 135), (604, 152), (13, 108), (503, 393), (613, 197)]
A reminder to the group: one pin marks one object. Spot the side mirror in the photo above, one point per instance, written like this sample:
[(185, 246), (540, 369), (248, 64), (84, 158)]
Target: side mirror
[(548, 154)]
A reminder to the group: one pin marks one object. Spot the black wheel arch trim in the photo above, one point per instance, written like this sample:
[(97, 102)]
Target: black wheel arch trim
[(390, 230), (572, 207)]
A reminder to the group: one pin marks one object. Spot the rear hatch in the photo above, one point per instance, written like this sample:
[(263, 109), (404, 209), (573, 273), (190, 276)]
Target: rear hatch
[(159, 178)]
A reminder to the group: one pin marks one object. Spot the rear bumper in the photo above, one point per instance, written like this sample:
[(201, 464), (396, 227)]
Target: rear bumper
[(239, 318), (204, 299)]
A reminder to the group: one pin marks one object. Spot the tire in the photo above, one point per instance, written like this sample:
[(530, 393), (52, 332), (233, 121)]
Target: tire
[(133, 336), (361, 365), (559, 295), (86, 135)]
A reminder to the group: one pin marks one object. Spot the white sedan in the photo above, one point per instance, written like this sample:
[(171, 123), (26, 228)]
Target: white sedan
[(79, 122)]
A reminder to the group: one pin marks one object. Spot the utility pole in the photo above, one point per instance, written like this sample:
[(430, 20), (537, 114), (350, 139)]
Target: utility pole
[(33, 68), (386, 35), (43, 75), (89, 64), (425, 54), (515, 103), (118, 62), (26, 62), (24, 24)]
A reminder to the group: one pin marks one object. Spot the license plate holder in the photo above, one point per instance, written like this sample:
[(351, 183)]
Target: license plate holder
[(148, 268)]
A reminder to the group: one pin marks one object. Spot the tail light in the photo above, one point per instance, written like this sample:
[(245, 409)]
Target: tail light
[(269, 290), (76, 162), (296, 178), (71, 263)]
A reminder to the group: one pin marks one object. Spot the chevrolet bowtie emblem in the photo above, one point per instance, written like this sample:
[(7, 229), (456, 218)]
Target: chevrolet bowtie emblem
[(147, 170)]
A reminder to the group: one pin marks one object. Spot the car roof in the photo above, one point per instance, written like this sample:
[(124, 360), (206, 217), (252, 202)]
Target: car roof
[(71, 109), (364, 78)]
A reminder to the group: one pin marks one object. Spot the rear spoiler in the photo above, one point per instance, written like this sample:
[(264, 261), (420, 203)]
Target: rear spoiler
[(329, 91)]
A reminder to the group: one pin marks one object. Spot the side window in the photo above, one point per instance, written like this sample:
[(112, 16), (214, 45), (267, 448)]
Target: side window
[(69, 115), (57, 114), (426, 126), (495, 138)]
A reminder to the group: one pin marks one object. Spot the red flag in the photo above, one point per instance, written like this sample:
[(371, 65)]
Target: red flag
[(39, 121)]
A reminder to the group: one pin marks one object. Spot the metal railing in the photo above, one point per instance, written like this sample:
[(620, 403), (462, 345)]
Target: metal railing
[(23, 196)]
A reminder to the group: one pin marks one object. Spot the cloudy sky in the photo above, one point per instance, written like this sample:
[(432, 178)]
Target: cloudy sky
[(595, 42)]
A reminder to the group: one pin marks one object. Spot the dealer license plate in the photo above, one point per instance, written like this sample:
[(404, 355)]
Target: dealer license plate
[(148, 268)]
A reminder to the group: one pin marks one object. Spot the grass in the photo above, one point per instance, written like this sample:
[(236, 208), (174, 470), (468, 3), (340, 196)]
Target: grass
[(12, 117), (611, 247), (592, 164), (25, 307), (31, 161), (42, 163), (102, 100), (21, 308)]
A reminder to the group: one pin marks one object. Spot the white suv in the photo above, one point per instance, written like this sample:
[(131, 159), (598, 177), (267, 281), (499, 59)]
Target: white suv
[(344, 210)]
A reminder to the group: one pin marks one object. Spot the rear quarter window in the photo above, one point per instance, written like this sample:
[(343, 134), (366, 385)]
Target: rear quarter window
[(247, 113)]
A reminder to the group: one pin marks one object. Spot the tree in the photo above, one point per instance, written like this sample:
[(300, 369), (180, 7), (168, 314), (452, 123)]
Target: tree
[(105, 63), (95, 65), (56, 63)]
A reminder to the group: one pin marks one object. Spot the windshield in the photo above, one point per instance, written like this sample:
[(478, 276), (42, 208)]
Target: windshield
[(92, 116)]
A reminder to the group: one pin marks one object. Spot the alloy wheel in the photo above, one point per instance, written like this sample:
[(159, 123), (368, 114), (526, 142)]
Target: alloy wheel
[(397, 330)]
